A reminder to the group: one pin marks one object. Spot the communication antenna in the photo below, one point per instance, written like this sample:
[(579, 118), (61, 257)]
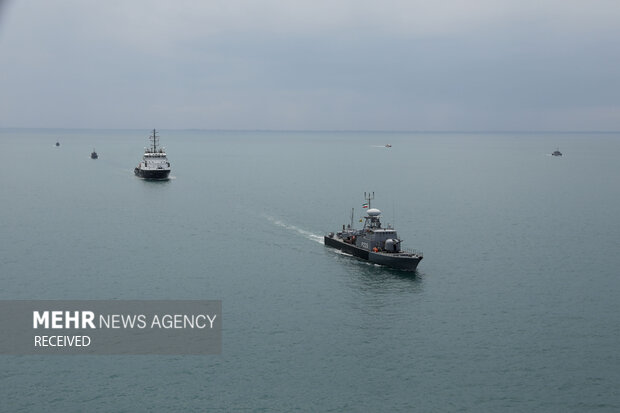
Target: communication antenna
[(369, 197)]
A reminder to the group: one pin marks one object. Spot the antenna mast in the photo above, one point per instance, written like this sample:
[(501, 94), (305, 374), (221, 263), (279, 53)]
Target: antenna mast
[(155, 140), (352, 211), (369, 197)]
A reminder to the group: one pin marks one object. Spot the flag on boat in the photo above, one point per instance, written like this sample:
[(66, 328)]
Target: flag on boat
[(365, 205)]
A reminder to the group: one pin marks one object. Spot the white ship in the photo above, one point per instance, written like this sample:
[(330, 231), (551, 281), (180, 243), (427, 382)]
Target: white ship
[(154, 164)]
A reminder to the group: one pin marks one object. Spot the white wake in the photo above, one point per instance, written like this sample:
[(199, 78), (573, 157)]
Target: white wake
[(307, 234)]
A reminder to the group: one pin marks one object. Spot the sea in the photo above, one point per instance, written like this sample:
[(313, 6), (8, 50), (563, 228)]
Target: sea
[(514, 308)]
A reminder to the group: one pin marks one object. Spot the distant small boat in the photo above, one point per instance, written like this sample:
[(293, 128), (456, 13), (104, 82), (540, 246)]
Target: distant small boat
[(93, 154), (387, 145), (557, 152), (57, 143)]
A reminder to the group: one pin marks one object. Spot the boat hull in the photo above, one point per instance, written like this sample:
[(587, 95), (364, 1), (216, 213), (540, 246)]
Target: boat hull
[(152, 173), (401, 261)]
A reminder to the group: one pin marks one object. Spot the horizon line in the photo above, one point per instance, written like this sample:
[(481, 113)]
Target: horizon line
[(455, 131)]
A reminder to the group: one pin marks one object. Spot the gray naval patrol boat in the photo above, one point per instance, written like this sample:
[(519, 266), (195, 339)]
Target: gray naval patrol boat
[(373, 242)]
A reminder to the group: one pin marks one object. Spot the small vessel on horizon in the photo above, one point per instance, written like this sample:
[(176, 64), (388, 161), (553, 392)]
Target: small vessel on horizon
[(154, 164), (93, 154), (387, 145), (373, 242), (557, 152), (57, 143)]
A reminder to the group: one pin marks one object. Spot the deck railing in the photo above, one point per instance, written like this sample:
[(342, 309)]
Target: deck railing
[(412, 251)]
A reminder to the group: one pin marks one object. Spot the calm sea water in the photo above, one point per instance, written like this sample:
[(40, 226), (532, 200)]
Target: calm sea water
[(515, 306)]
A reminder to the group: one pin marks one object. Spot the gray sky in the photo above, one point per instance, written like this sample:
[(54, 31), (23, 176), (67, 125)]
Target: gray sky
[(311, 64)]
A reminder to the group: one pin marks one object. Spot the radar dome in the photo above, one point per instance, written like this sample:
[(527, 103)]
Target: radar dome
[(373, 212)]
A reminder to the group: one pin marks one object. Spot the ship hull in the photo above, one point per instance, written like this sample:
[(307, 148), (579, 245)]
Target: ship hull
[(346, 247), (401, 261), (152, 174)]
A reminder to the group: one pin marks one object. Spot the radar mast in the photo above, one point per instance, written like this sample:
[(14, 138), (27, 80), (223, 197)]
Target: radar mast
[(155, 139)]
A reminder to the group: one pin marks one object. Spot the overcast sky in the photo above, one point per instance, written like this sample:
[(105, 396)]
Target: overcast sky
[(311, 64)]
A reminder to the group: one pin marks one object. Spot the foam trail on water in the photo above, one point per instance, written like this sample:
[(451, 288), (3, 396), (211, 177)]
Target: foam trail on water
[(307, 234)]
